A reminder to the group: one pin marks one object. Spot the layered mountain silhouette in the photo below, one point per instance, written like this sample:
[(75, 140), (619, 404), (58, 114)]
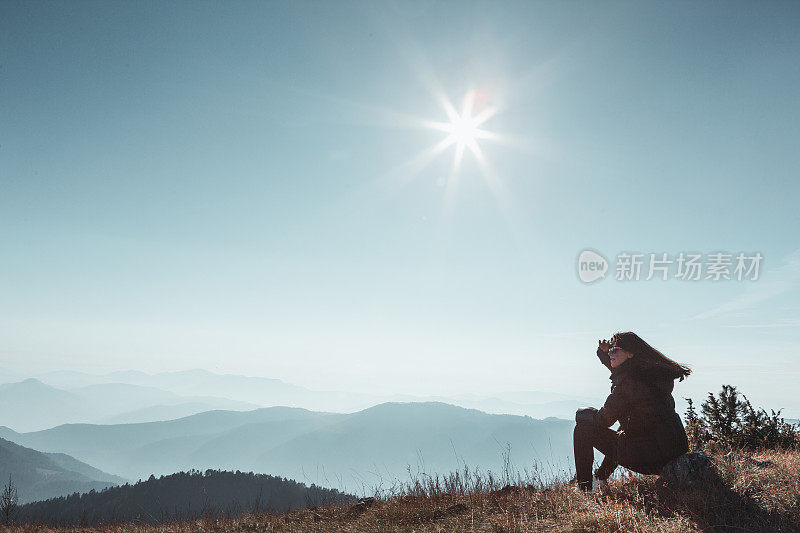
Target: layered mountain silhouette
[(347, 451), (40, 475), (255, 390), (136, 424), (133, 396), (32, 405)]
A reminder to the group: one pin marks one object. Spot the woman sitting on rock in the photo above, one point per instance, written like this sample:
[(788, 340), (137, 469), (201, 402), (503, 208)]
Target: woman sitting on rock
[(651, 433)]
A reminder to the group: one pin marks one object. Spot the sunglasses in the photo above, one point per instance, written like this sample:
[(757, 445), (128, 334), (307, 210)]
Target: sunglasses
[(615, 349)]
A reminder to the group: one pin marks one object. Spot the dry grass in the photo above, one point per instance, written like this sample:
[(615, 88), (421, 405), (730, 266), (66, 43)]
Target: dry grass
[(746, 497)]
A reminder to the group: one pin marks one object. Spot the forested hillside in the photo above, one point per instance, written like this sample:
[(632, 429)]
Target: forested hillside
[(185, 495)]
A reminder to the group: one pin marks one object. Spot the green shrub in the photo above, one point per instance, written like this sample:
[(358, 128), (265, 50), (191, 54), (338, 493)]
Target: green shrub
[(728, 421)]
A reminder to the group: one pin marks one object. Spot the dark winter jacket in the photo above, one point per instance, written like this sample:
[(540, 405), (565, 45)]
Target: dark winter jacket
[(651, 432)]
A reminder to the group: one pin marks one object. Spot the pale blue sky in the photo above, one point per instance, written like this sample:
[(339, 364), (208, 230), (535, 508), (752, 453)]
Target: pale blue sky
[(222, 185)]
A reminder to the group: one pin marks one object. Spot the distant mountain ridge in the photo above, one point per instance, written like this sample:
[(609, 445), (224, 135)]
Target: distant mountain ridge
[(32, 405), (28, 400), (187, 382), (46, 475), (368, 446), (267, 392), (159, 423)]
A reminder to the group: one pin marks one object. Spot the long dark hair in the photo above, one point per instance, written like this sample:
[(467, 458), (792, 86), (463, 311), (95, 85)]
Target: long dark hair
[(649, 356)]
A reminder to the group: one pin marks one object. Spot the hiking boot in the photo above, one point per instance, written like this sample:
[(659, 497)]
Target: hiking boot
[(585, 486)]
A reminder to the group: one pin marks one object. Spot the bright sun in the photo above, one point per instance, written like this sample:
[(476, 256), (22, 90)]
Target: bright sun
[(463, 129)]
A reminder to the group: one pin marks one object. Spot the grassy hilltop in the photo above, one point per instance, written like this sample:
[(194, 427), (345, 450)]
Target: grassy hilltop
[(747, 497)]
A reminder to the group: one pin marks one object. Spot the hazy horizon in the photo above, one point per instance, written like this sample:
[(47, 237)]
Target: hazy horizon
[(373, 396)]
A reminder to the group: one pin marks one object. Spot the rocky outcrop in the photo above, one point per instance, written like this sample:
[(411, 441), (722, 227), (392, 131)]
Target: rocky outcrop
[(690, 469)]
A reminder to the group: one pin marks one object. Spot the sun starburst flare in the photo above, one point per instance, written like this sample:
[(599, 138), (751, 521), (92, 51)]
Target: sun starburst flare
[(463, 129)]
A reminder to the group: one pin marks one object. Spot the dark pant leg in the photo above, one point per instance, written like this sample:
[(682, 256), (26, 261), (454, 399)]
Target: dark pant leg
[(587, 436)]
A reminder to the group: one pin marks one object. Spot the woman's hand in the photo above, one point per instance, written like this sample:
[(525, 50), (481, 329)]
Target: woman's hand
[(604, 345)]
